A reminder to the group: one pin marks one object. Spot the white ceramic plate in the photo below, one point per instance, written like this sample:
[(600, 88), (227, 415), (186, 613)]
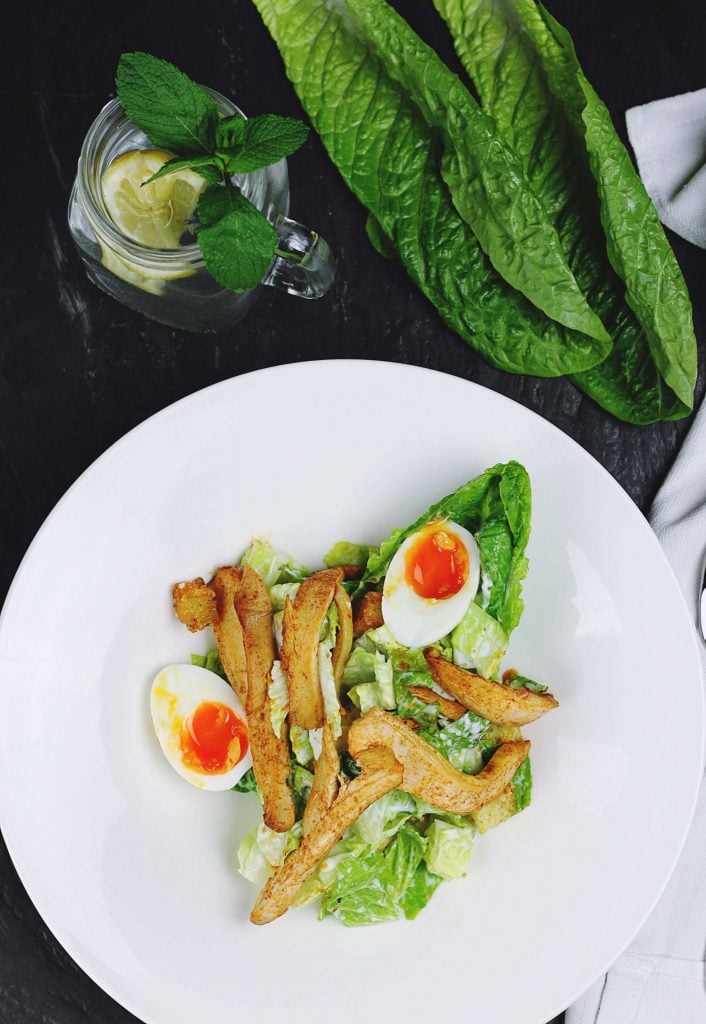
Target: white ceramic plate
[(133, 870)]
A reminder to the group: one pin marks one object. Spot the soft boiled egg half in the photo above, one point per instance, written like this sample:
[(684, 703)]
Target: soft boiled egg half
[(430, 583), (200, 725)]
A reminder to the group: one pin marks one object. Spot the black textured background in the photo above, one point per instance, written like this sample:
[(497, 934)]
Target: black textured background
[(77, 370)]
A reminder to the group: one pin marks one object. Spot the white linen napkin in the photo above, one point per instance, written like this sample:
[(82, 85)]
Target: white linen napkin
[(661, 978), (669, 140)]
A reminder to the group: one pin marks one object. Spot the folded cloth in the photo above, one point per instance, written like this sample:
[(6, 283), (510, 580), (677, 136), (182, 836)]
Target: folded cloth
[(669, 140), (661, 978)]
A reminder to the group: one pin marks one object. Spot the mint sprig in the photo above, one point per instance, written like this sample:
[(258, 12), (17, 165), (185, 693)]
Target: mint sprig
[(237, 242)]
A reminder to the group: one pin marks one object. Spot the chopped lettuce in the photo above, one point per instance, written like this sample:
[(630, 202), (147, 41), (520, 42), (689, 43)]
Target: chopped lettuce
[(410, 669), (279, 594), (448, 848), (379, 690), (277, 628), (383, 640), (332, 708), (458, 741), (379, 822), (522, 785), (302, 780), (479, 642), (517, 682), (420, 890), (279, 698), (360, 667), (361, 892), (301, 744), (273, 566), (316, 740), (319, 882), (246, 784), (210, 661), (346, 553), (403, 856), (262, 850)]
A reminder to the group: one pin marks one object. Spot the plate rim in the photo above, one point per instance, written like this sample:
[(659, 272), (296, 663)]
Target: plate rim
[(54, 926)]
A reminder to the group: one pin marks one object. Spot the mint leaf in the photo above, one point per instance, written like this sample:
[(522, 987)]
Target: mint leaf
[(166, 105), (236, 241), (230, 133), (202, 165), (266, 139)]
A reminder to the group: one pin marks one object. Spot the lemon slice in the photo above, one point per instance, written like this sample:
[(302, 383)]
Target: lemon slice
[(155, 215)]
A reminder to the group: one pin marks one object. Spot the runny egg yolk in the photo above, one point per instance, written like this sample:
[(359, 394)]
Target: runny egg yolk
[(213, 738), (437, 564)]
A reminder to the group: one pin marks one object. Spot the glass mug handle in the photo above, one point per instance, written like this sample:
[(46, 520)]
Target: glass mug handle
[(303, 262)]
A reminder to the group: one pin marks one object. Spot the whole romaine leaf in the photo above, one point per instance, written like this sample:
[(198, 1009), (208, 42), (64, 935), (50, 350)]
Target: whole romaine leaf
[(501, 495), (637, 246), (532, 90), (391, 160), (488, 183)]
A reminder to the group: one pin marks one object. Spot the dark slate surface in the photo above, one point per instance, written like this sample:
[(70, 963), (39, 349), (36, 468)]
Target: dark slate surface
[(77, 370)]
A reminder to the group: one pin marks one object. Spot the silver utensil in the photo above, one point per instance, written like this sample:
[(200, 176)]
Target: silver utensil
[(702, 602)]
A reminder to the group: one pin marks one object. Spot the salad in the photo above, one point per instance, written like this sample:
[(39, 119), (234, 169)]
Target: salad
[(364, 704)]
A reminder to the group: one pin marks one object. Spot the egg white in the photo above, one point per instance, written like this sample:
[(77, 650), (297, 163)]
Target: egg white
[(177, 691), (416, 621)]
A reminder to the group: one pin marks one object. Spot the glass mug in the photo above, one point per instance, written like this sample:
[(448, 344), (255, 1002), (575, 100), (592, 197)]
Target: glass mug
[(173, 285)]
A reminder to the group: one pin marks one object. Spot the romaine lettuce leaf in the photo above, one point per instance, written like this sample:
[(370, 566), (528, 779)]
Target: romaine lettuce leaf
[(501, 496), (391, 160), (524, 69), (486, 180)]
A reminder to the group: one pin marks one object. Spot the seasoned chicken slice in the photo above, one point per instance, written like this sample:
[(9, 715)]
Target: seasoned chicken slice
[(270, 754), (427, 774), (380, 773), (487, 698)]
